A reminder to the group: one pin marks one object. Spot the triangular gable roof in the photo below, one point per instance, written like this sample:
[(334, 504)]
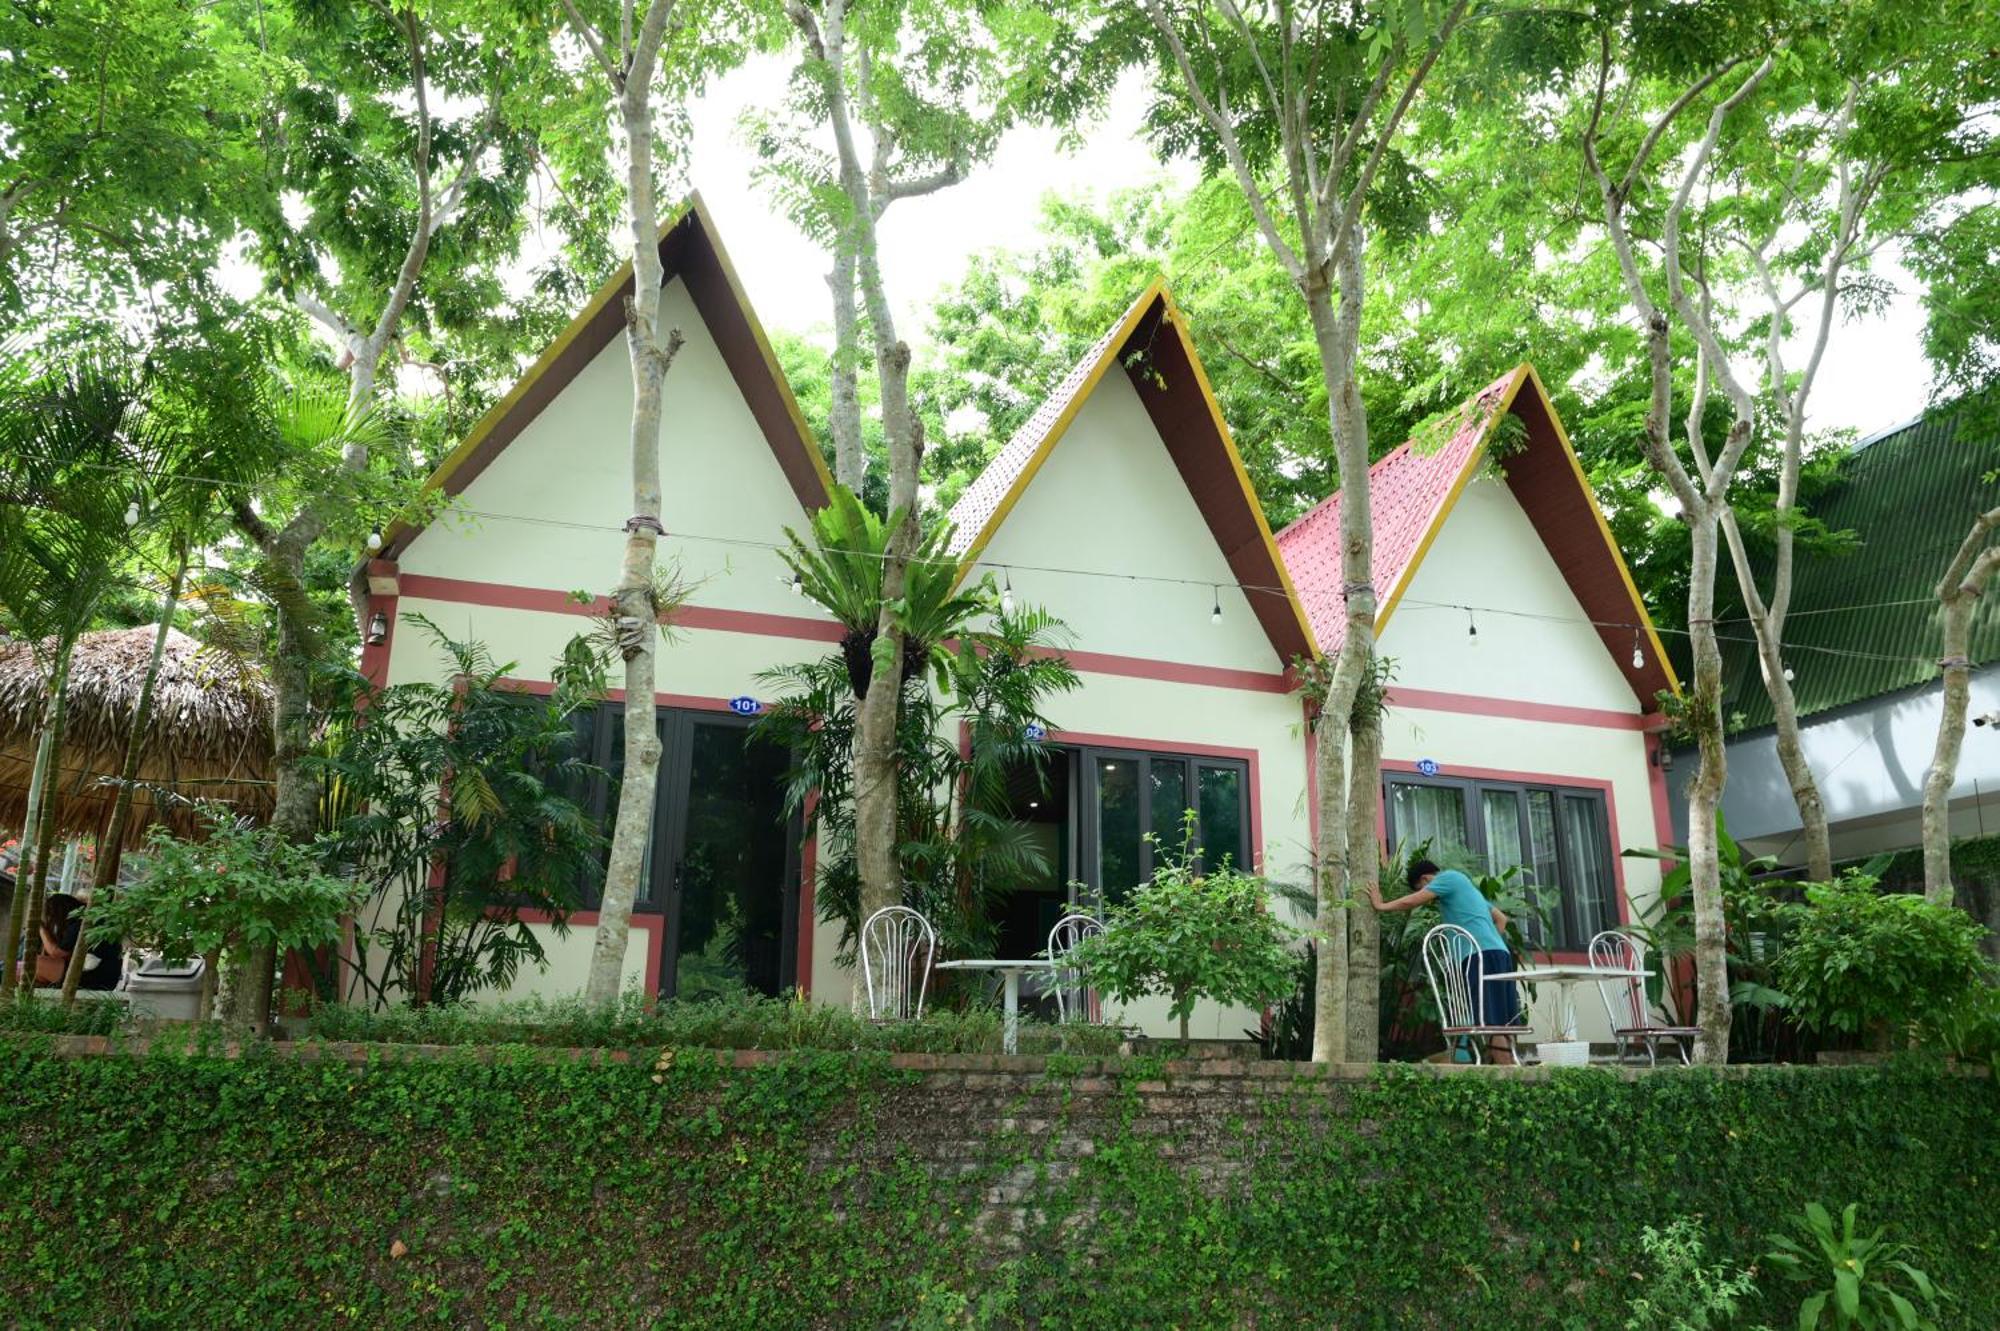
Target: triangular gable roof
[(1173, 387), (1413, 491), (690, 249)]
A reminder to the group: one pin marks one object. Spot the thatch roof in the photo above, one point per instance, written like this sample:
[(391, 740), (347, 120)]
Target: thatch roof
[(210, 736)]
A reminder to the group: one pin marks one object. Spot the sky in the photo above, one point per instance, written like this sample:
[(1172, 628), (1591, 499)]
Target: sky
[(1873, 378)]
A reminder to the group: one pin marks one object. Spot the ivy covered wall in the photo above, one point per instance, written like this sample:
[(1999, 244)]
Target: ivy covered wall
[(340, 1186)]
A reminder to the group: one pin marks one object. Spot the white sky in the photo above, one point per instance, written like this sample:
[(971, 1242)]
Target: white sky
[(1874, 375)]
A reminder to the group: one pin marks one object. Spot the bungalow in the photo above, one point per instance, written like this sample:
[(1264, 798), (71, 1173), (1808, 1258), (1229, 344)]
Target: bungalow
[(1122, 506)]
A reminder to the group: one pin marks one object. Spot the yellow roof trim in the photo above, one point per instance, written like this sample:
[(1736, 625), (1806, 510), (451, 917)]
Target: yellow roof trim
[(1525, 374), (1173, 315), (612, 288), (764, 349), (1604, 529), (1458, 484), (1109, 356)]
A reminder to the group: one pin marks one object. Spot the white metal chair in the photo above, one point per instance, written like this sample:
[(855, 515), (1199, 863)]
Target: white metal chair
[(1073, 996), (1625, 1001), (1456, 969), (898, 946)]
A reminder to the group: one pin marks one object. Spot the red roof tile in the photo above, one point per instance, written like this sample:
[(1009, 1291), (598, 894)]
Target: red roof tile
[(1408, 488)]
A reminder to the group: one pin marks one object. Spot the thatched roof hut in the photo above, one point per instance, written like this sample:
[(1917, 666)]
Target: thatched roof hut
[(210, 736)]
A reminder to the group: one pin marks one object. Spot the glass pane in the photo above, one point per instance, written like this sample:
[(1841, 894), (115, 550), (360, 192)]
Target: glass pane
[(1222, 817), (1169, 805), (732, 868), (1545, 866), (1588, 848), (1500, 811), (1428, 813), (1117, 827)]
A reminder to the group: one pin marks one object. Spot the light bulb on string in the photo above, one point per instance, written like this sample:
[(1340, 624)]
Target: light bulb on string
[(1007, 594), (1638, 655), (1788, 674), (132, 514), (1215, 615), (1471, 629), (798, 585), (374, 541)]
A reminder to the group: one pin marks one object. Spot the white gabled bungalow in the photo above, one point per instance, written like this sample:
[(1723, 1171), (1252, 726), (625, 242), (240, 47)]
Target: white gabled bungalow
[(1123, 507)]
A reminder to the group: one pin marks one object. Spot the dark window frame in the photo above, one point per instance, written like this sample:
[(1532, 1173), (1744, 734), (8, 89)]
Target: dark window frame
[(1571, 931), (1087, 804)]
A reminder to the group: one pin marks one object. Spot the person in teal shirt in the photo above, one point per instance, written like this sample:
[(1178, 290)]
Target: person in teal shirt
[(1462, 903)]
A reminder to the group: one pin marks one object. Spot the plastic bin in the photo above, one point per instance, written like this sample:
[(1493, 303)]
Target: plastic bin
[(167, 991)]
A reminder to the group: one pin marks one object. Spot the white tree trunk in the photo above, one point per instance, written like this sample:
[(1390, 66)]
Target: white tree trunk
[(1330, 852), (1704, 795), (632, 601), (1958, 593), (1364, 928)]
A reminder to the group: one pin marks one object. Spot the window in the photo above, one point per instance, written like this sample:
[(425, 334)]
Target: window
[(1129, 797), (1559, 836)]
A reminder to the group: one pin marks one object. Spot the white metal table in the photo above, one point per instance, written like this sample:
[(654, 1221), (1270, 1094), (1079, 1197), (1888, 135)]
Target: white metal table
[(1565, 977), (1010, 973)]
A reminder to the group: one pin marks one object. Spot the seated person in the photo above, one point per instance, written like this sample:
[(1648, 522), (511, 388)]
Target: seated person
[(62, 923)]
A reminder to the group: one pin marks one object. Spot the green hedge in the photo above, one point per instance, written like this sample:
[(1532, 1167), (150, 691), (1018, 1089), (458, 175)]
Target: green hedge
[(189, 1190)]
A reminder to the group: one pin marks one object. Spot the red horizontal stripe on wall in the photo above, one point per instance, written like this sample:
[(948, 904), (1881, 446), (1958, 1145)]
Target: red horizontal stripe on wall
[(548, 601), (1430, 700), (1176, 672)]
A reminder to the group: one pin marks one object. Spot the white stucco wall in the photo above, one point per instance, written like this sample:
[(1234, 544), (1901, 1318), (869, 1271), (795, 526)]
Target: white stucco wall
[(573, 465), (1489, 556), (1109, 499), (1870, 760), (1535, 644)]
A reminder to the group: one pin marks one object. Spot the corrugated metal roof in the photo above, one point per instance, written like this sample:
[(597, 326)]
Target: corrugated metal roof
[(1909, 496)]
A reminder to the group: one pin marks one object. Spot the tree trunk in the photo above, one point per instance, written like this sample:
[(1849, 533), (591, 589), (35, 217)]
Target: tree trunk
[(1330, 1024), (638, 616), (111, 849), (19, 920), (211, 969), (1704, 794), (1364, 927), (45, 829), (1768, 627), (1337, 333), (850, 460), (1958, 592)]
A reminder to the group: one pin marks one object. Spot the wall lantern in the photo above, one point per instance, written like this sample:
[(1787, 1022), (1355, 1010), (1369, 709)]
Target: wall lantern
[(378, 629)]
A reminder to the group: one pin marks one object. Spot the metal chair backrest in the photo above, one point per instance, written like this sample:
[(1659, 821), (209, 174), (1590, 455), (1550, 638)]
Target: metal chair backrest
[(1073, 997), (1624, 999), (897, 948), (1456, 985)]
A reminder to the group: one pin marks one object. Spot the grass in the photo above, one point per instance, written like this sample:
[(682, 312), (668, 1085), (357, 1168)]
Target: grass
[(43, 1013)]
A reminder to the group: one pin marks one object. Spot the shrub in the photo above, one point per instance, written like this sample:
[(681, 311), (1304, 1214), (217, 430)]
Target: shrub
[(1193, 935), (1872, 1283), (1684, 1294), (1865, 963), (732, 1023), (240, 886)]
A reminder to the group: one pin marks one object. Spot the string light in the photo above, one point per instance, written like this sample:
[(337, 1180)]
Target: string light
[(1638, 655), (1007, 594), (1471, 628), (374, 541), (1215, 615), (132, 514)]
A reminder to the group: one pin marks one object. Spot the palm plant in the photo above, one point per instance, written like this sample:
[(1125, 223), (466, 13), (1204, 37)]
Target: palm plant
[(75, 437), (841, 570)]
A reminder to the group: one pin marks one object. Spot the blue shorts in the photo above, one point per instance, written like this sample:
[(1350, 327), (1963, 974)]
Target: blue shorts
[(1500, 1003)]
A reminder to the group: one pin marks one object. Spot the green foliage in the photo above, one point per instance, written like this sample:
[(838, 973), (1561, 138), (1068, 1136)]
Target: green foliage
[(459, 799), (742, 1022), (237, 886), (960, 848), (1875, 1287), (1683, 1292), (668, 1191), (24, 1012), (1865, 963), (1192, 932)]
